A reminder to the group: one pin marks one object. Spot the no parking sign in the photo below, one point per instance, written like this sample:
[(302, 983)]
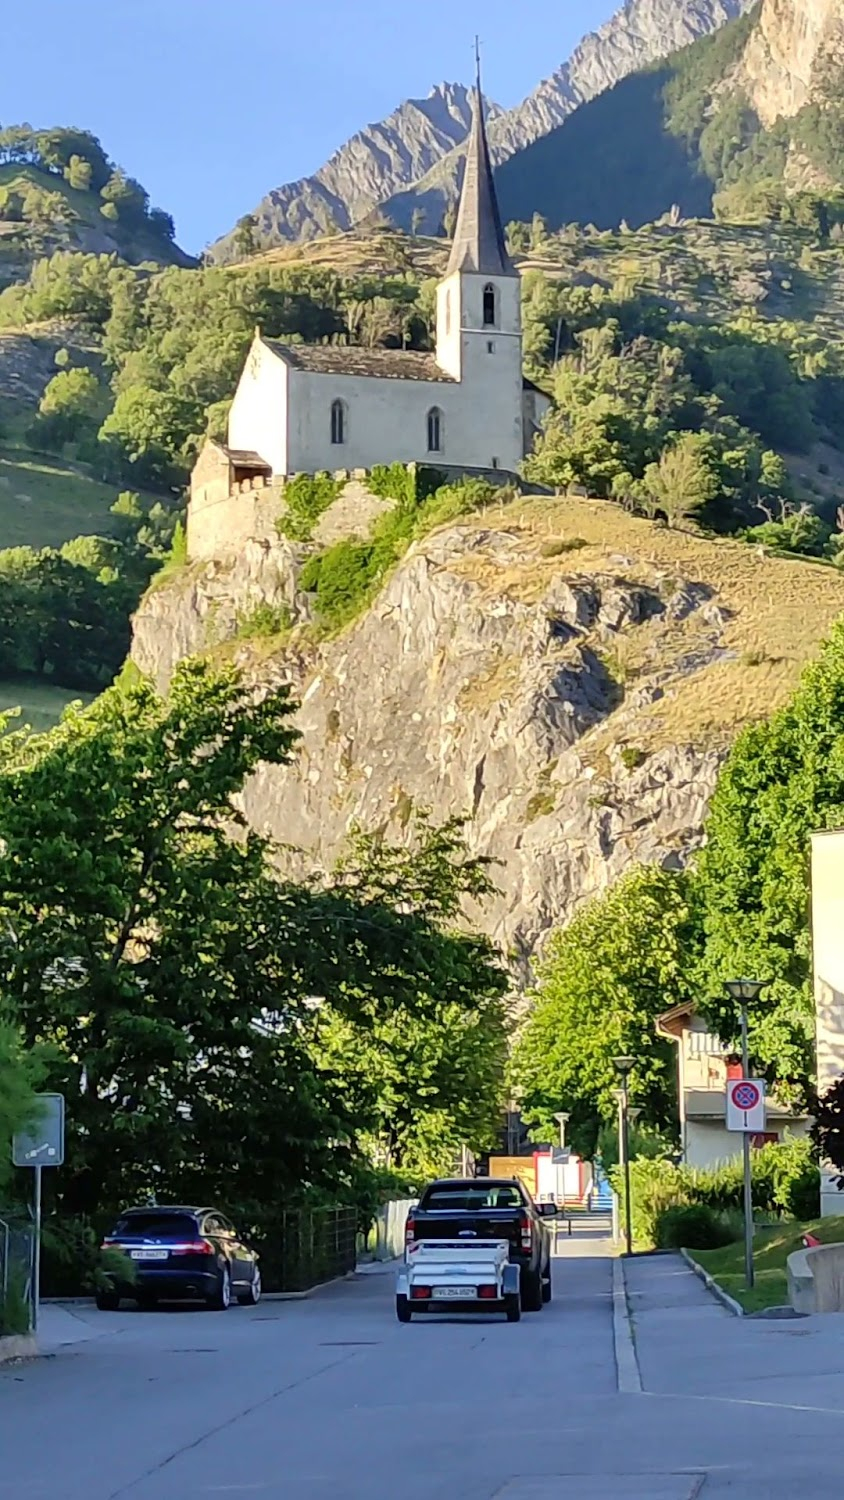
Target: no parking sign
[(746, 1105)]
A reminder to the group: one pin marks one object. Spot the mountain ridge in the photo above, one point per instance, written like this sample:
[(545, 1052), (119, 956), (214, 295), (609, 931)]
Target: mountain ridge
[(402, 170)]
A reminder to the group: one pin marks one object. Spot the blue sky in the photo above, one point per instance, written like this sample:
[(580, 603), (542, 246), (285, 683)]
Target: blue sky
[(210, 103)]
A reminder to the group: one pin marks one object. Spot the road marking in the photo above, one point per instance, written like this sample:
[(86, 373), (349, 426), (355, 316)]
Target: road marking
[(626, 1363)]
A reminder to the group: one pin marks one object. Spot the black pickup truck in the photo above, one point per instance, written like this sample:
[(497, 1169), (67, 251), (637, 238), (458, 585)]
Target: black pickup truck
[(489, 1208)]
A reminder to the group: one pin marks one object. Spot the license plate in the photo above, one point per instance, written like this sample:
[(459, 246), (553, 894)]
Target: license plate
[(148, 1254), (455, 1293)]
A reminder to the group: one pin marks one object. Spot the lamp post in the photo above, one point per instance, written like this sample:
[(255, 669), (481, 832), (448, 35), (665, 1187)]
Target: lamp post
[(623, 1066), (744, 992)]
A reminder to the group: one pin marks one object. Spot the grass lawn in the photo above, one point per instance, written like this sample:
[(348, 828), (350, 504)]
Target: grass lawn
[(41, 703), (45, 502), (771, 1249)]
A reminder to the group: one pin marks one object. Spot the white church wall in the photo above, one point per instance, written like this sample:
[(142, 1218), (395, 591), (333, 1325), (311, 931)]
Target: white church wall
[(258, 416), (386, 422)]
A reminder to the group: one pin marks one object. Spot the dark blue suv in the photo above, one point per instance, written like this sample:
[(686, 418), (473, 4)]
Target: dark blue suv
[(181, 1253)]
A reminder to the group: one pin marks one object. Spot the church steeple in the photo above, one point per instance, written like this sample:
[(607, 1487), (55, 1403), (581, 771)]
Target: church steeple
[(479, 245)]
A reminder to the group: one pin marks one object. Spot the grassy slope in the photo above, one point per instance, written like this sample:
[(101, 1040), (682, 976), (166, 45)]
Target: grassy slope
[(44, 501), (714, 677), (771, 1249)]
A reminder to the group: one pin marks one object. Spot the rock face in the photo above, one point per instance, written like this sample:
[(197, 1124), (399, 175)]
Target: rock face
[(370, 167), (414, 160), (794, 47), (486, 680)]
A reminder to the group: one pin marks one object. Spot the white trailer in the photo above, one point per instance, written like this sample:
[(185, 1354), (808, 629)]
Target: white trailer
[(440, 1275)]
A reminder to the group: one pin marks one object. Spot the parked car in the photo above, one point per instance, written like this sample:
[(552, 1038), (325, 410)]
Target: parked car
[(179, 1252), (490, 1208)]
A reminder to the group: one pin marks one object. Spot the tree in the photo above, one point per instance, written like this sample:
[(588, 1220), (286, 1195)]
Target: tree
[(19, 1074), (783, 779), (244, 235), (71, 406), (79, 173), (426, 1073), (601, 984), (146, 429), (685, 479)]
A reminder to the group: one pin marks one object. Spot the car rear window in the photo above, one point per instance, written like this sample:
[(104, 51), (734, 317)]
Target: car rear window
[(159, 1225), (460, 1198)]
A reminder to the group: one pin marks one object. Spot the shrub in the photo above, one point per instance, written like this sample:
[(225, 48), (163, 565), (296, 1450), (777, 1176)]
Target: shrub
[(694, 1226), (305, 498), (632, 757), (264, 620), (72, 1262)]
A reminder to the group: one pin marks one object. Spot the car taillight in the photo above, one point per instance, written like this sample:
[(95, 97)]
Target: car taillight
[(420, 1293), (410, 1231), (192, 1247), (526, 1235), (107, 1245), (489, 1293)]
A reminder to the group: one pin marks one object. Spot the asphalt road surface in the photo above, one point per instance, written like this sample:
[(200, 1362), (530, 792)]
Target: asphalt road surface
[(331, 1397)]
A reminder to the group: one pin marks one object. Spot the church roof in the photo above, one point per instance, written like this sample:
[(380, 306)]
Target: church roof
[(479, 243), (346, 359)]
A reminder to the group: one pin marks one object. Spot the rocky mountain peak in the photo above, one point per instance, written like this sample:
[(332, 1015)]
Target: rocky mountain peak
[(794, 46)]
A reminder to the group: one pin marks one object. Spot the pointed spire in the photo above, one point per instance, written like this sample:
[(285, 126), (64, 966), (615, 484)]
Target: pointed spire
[(479, 243)]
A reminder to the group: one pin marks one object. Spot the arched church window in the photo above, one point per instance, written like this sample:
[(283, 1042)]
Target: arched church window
[(435, 430), (490, 315), (338, 421)]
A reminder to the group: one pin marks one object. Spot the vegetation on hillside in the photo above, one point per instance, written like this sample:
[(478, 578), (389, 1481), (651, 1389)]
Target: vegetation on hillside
[(703, 144)]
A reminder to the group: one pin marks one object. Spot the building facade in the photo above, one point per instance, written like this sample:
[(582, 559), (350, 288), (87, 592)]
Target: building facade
[(703, 1068), (303, 408)]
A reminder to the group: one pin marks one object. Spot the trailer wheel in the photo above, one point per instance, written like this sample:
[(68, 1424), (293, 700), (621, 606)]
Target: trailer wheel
[(513, 1307), (403, 1312)]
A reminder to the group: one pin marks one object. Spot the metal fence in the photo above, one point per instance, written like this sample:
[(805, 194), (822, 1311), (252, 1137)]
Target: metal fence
[(17, 1245), (306, 1247)]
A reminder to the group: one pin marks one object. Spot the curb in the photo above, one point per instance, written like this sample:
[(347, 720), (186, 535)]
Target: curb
[(712, 1286), (17, 1346), (627, 1365)]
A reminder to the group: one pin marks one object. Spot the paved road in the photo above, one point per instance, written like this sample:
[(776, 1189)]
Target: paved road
[(333, 1398)]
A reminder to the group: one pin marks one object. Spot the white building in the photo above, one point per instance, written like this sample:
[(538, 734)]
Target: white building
[(703, 1068), (303, 408)]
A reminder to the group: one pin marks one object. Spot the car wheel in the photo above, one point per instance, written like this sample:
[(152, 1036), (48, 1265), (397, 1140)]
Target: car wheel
[(107, 1301), (532, 1291), (547, 1290), (403, 1312), (513, 1307), (252, 1296), (221, 1297)]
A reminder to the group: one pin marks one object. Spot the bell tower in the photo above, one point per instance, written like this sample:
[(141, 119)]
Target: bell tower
[(479, 319)]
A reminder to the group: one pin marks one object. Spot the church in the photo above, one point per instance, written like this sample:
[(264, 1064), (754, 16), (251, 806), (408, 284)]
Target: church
[(303, 408)]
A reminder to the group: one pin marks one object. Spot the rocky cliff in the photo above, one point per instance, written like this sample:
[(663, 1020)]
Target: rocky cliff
[(565, 675), (795, 46)]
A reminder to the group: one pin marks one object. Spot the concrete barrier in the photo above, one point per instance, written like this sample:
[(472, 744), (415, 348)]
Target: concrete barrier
[(816, 1279), (389, 1229), (17, 1346)]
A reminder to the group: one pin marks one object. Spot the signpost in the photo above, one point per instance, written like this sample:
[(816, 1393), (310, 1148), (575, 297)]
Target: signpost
[(40, 1145), (746, 1113)]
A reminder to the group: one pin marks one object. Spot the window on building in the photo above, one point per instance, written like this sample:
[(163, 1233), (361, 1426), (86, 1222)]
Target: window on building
[(338, 421), (490, 318), (495, 463), (435, 430), (490, 348)]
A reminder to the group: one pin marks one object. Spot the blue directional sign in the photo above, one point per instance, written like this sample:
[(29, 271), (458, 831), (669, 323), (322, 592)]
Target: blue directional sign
[(41, 1144)]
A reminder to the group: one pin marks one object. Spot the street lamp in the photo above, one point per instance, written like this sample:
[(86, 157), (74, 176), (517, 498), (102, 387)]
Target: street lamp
[(744, 992), (623, 1067), (562, 1121)]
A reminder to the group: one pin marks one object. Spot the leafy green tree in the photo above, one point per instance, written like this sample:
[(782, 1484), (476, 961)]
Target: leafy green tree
[(79, 173), (144, 428), (426, 1074), (19, 1075), (601, 984), (71, 407), (685, 479), (782, 779), (244, 235)]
